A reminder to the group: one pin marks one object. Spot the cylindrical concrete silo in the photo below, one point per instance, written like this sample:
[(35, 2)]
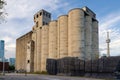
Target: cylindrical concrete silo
[(76, 33), (95, 39), (38, 48), (53, 39), (44, 47), (62, 36), (88, 37)]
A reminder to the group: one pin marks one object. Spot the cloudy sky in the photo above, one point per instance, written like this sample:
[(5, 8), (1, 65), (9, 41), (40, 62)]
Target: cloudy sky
[(20, 20)]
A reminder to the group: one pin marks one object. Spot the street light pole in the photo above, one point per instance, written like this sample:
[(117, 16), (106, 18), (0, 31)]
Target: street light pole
[(3, 65)]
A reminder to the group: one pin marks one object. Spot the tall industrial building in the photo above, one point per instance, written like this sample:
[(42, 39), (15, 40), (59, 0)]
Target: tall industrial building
[(1, 50), (72, 35), (12, 61)]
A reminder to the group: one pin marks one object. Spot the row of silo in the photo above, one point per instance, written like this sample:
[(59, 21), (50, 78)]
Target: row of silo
[(77, 35), (91, 38), (73, 35), (58, 37)]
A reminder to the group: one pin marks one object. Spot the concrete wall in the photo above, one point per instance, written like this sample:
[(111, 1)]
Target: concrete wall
[(21, 50), (30, 56)]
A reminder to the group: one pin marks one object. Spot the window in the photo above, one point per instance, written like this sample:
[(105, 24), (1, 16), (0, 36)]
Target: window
[(40, 27), (46, 14), (49, 16), (43, 23), (36, 24), (40, 13), (28, 61), (46, 23), (37, 16), (43, 13), (33, 28)]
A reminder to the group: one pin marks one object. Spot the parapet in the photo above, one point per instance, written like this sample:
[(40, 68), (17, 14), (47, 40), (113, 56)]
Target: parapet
[(89, 12)]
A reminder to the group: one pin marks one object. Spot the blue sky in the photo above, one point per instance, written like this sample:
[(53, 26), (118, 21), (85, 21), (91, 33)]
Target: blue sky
[(20, 20)]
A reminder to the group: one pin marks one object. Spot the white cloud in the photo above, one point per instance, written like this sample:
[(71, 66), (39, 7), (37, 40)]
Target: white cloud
[(20, 19), (109, 23), (7, 39)]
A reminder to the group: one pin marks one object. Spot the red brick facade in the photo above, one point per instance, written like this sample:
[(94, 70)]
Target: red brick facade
[(6, 66)]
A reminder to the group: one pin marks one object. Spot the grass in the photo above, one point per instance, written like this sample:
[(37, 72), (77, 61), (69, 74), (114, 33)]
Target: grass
[(43, 72), (109, 79)]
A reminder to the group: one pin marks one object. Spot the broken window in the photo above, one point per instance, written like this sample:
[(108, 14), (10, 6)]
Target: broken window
[(36, 24), (28, 61), (37, 16), (40, 13)]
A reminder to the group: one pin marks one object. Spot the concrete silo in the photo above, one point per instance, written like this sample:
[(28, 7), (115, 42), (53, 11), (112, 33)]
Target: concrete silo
[(95, 40), (44, 47), (88, 37), (76, 43), (53, 39), (38, 48), (62, 36)]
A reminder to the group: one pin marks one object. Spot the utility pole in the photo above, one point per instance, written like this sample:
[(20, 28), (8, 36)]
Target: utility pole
[(3, 65), (108, 45)]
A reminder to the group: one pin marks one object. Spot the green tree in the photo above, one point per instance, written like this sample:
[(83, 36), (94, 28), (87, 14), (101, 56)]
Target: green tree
[(11, 67)]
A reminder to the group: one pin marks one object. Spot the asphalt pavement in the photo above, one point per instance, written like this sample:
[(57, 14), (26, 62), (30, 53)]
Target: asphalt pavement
[(14, 76)]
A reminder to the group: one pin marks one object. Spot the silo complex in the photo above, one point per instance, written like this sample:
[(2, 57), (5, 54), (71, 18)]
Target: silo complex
[(62, 29), (53, 39), (76, 33), (72, 35)]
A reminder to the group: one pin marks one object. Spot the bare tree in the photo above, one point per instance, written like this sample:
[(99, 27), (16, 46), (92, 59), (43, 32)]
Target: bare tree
[(2, 11)]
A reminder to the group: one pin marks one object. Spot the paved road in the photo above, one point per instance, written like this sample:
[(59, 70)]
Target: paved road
[(40, 77)]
